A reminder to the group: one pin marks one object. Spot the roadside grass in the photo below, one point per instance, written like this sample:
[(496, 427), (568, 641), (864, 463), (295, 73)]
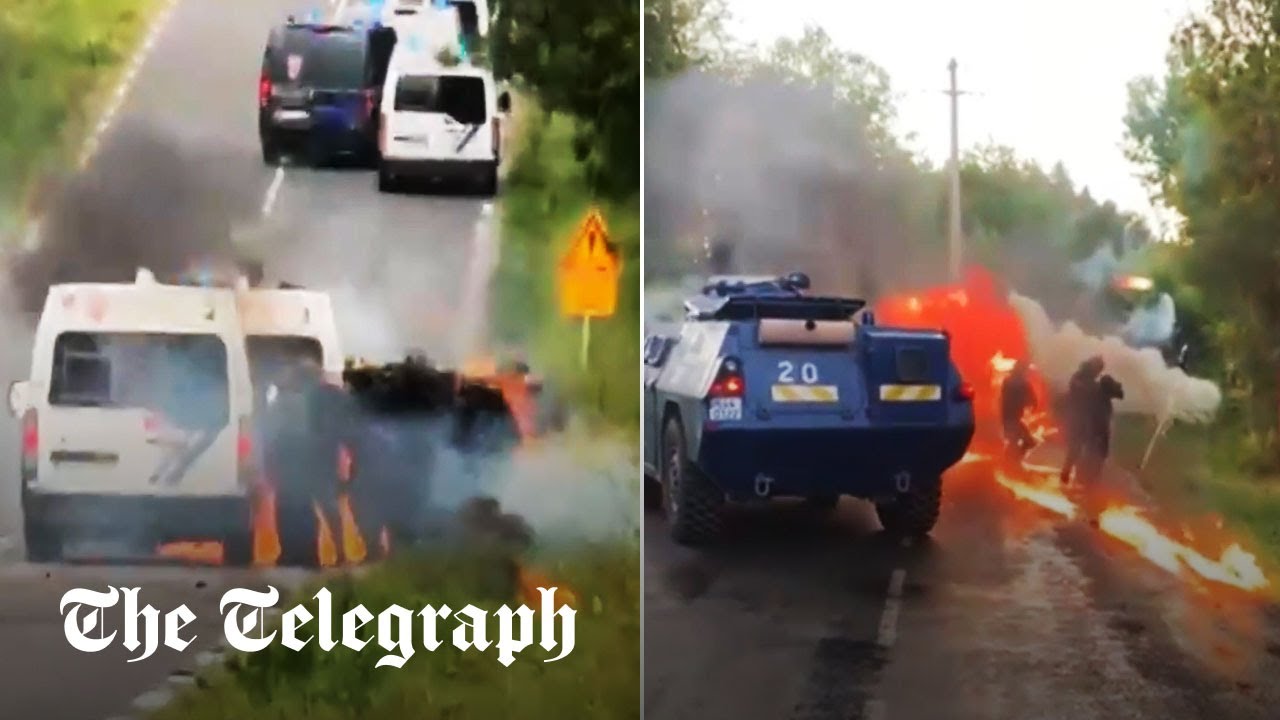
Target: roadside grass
[(545, 197), (599, 679), (1192, 474), (58, 61)]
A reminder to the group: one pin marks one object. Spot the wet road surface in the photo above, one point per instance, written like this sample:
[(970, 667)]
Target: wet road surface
[(1005, 612), (401, 268)]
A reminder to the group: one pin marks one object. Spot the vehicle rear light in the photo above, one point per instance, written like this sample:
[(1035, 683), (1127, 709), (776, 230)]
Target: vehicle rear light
[(497, 136), (264, 90), (964, 392), (729, 382), (246, 468), (368, 104), (382, 134), (30, 445)]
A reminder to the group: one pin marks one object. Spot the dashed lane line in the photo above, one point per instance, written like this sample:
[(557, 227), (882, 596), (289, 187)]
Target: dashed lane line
[(892, 606)]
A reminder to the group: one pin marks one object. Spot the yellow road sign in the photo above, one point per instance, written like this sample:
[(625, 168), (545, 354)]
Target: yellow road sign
[(589, 271)]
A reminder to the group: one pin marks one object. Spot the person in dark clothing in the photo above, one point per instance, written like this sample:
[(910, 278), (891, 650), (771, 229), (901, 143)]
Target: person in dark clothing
[(1016, 397), (308, 425), (1081, 393), (1096, 447)]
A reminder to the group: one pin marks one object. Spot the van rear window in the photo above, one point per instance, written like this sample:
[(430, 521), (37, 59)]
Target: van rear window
[(183, 376), (461, 97)]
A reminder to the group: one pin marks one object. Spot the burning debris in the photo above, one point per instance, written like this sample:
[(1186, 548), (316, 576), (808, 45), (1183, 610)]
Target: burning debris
[(990, 330)]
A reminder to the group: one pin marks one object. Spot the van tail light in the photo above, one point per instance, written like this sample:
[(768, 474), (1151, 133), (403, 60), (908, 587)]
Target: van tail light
[(30, 445), (368, 105), (264, 90), (246, 467), (729, 382), (497, 136), (964, 392)]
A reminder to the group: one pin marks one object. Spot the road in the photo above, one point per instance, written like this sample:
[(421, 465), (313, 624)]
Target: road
[(1005, 612), (403, 269)]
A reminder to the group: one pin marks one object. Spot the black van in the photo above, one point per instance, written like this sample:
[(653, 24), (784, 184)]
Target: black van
[(320, 90)]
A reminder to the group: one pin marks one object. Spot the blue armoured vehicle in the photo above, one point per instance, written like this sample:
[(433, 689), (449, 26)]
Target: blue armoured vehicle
[(763, 391)]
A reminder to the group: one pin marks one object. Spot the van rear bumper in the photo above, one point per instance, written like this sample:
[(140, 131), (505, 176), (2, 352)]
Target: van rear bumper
[(864, 462), (139, 518), (431, 169)]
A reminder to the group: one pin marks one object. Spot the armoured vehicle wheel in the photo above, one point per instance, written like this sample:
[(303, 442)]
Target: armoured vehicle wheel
[(652, 493), (692, 502), (913, 513)]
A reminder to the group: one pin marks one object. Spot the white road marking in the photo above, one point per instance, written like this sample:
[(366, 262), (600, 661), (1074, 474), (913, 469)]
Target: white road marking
[(874, 710), (481, 262), (892, 606), (94, 141), (269, 201)]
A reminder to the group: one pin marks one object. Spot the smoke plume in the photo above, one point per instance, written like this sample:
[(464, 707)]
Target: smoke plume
[(1151, 387)]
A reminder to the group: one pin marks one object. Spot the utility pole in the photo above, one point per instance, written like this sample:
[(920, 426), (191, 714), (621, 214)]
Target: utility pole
[(954, 244)]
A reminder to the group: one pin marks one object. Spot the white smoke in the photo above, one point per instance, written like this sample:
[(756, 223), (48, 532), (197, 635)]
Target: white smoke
[(567, 486), (1095, 271), (1152, 325), (1151, 387)]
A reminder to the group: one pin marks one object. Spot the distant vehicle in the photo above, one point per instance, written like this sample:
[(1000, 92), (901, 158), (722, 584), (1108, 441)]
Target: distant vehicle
[(767, 392), (320, 88), (136, 419), (438, 26), (440, 123)]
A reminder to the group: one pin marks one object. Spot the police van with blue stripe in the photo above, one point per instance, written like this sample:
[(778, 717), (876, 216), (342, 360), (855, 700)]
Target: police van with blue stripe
[(765, 392)]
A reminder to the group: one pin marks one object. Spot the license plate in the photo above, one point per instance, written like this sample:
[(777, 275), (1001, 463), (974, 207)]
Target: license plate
[(806, 393), (725, 409), (287, 115), (910, 393)]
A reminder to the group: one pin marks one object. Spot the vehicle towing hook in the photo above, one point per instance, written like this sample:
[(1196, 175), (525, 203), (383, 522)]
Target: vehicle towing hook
[(763, 486), (902, 481)]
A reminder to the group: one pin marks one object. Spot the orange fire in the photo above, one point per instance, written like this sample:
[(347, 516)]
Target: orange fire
[(529, 582), (987, 337)]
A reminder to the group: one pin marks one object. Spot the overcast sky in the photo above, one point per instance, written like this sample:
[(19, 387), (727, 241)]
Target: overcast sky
[(1051, 75)]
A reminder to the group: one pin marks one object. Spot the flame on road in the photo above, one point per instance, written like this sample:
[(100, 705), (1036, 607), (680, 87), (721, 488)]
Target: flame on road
[(987, 338)]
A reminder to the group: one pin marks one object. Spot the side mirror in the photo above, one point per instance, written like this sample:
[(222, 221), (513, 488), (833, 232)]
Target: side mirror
[(504, 102), (18, 401)]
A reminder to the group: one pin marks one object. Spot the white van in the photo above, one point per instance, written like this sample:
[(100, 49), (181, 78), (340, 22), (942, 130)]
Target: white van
[(440, 123), (136, 419), (281, 324)]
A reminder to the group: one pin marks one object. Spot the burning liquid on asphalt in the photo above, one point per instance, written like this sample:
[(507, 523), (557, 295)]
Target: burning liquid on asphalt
[(986, 338)]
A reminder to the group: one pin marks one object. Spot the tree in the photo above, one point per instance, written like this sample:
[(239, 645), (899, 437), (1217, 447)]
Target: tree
[(581, 57), (1207, 137)]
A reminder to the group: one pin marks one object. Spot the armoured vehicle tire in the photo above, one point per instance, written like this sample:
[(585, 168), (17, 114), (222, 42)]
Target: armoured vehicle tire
[(693, 504), (913, 513), (652, 493)]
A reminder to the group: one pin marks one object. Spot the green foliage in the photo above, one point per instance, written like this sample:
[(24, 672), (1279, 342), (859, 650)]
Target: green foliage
[(1207, 137), (56, 59), (547, 194), (583, 59), (682, 34), (599, 679)]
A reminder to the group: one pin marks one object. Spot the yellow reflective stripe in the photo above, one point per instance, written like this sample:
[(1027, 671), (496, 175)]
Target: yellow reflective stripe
[(910, 393), (805, 393)]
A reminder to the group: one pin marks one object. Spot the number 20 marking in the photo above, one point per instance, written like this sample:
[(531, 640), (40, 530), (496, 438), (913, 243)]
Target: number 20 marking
[(787, 372)]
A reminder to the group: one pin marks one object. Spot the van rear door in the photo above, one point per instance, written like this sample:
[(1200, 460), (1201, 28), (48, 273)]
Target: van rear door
[(138, 413), (441, 117), (803, 366), (320, 78)]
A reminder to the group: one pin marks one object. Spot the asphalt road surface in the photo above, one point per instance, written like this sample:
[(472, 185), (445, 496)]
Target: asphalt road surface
[(1005, 612), (403, 269)]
